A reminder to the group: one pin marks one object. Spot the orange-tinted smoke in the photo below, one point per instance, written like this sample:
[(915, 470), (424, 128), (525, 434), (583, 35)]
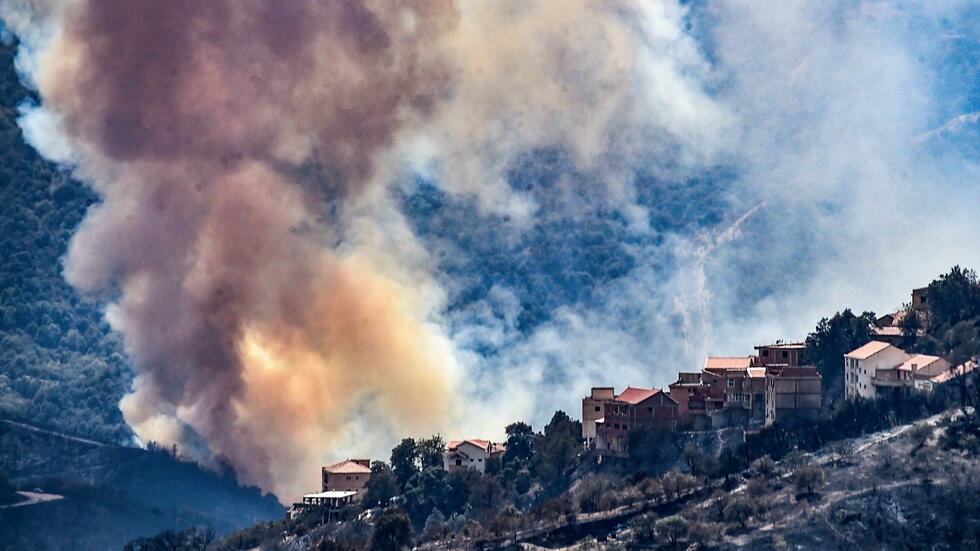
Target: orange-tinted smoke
[(226, 138)]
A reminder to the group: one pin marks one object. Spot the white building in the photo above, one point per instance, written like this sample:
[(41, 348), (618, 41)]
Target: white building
[(470, 454), (862, 364), (878, 367)]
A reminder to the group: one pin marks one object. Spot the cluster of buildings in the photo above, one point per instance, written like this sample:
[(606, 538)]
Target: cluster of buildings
[(763, 388), (879, 369), (772, 385), (345, 482)]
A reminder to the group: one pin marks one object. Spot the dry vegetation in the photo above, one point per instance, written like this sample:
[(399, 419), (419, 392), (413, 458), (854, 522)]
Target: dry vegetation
[(912, 487)]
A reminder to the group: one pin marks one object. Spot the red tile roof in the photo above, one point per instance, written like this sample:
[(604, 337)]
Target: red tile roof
[(482, 444), (348, 467), (636, 395), (953, 373), (740, 362), (920, 361), (868, 350)]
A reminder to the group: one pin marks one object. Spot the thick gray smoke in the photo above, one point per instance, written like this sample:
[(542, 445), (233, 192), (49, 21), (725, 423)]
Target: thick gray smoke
[(326, 224)]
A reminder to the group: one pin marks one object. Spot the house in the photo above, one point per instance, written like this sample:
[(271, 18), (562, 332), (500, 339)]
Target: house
[(925, 381), (861, 367), (632, 409), (327, 503), (879, 368), (792, 392), (461, 455), (779, 354), (347, 476), (695, 400), (889, 327), (743, 385), (920, 299), (592, 411)]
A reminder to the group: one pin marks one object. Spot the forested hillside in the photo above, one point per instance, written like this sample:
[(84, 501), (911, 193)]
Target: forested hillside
[(61, 367)]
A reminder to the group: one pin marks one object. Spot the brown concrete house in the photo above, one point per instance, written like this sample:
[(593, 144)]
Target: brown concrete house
[(779, 354), (632, 409), (593, 409), (696, 398), (743, 386), (792, 392), (347, 476)]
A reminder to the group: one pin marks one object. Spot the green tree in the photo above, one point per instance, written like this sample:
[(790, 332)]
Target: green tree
[(486, 495), (808, 478), (556, 452), (827, 344), (405, 461), (520, 445), (435, 525), (430, 452), (738, 509), (672, 528), (411, 457), (381, 487), (692, 455), (764, 467), (392, 532), (952, 298), (911, 324)]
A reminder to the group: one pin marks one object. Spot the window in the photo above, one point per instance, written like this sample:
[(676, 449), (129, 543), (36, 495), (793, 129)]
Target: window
[(765, 353), (459, 462), (597, 408), (731, 383), (785, 354), (650, 410)]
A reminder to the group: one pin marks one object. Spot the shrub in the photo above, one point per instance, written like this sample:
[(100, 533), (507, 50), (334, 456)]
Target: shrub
[(671, 528), (738, 509), (764, 467), (808, 478)]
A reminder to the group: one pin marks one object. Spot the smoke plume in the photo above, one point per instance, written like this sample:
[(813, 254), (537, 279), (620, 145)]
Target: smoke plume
[(226, 140), (326, 225)]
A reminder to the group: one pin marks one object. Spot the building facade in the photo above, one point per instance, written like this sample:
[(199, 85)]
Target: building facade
[(632, 409), (347, 476), (781, 354), (743, 386), (695, 400), (861, 367), (792, 392), (593, 407), (474, 454)]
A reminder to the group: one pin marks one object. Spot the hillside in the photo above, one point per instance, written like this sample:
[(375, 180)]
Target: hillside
[(911, 487), (61, 367), (113, 494)]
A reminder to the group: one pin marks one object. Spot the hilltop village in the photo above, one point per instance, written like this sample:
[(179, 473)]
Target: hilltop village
[(773, 385)]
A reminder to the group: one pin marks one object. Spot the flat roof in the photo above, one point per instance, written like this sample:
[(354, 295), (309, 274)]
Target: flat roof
[(787, 345), (332, 494)]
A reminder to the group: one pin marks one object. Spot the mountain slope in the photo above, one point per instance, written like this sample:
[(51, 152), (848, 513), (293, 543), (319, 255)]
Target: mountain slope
[(114, 494)]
